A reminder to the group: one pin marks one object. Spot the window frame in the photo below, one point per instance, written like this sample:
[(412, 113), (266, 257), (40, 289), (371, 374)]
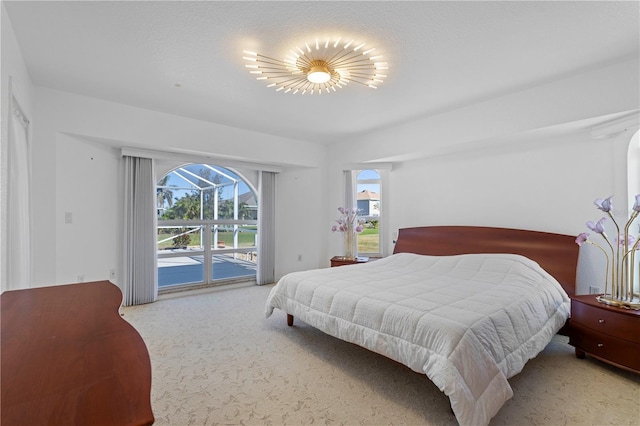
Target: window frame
[(382, 217), (208, 229)]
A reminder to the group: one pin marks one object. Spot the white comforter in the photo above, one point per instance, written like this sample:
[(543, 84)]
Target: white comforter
[(468, 322)]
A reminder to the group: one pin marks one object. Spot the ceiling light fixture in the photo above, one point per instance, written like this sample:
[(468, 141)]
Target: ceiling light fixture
[(321, 66)]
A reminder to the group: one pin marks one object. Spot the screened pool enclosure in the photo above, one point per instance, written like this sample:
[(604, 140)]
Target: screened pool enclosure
[(207, 227)]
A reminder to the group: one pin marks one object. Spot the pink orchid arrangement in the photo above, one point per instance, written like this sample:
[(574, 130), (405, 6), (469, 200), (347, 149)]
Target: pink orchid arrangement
[(349, 224), (621, 264), (348, 221)]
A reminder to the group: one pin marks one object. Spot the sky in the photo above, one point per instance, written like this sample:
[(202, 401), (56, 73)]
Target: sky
[(183, 187), (368, 174)]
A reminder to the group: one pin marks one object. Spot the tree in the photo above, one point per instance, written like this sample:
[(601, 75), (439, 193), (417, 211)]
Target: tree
[(243, 211), (208, 194), (187, 208), (225, 209), (164, 194)]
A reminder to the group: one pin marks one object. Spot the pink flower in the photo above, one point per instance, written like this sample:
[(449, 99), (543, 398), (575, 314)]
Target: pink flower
[(636, 205), (598, 226), (582, 238), (620, 240), (604, 205), (348, 221)]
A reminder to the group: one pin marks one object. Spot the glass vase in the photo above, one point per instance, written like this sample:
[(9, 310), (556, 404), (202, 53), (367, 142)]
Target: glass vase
[(350, 245)]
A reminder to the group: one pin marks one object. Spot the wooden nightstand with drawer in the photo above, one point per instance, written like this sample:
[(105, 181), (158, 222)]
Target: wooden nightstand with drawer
[(341, 261), (607, 333)]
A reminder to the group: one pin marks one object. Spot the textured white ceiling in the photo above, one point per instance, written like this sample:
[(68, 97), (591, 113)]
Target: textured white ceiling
[(442, 55)]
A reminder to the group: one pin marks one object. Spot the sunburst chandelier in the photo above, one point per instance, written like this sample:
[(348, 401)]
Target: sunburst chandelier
[(321, 66)]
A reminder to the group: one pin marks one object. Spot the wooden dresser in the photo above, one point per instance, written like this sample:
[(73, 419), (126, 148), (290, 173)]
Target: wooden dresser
[(68, 358), (605, 332)]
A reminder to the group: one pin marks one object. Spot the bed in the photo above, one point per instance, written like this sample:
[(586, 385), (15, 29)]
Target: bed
[(467, 306)]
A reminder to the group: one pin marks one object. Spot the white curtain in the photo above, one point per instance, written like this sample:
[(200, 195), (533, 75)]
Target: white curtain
[(140, 271), (349, 190), (18, 203), (266, 228)]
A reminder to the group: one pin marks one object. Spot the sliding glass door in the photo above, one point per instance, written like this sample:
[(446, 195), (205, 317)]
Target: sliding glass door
[(207, 227)]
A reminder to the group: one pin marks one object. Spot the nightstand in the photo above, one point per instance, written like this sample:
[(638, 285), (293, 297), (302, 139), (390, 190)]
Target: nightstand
[(605, 332), (341, 261)]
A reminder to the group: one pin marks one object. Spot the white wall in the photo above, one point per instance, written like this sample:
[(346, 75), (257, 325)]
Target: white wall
[(87, 186), (547, 188), (303, 231), (12, 69), (75, 152), (538, 186), (596, 93), (526, 160)]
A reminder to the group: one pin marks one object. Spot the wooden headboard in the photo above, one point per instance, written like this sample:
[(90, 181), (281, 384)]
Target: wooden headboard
[(556, 253)]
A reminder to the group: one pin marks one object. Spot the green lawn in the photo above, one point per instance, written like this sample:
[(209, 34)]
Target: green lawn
[(245, 239), (368, 241)]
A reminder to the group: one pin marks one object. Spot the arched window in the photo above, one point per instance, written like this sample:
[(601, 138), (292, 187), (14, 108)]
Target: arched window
[(207, 227), (369, 203)]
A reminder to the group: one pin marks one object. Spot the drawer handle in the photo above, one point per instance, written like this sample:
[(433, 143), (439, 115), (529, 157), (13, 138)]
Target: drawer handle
[(600, 321), (600, 345)]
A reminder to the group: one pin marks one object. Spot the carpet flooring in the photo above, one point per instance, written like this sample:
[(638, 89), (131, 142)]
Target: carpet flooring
[(216, 360)]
